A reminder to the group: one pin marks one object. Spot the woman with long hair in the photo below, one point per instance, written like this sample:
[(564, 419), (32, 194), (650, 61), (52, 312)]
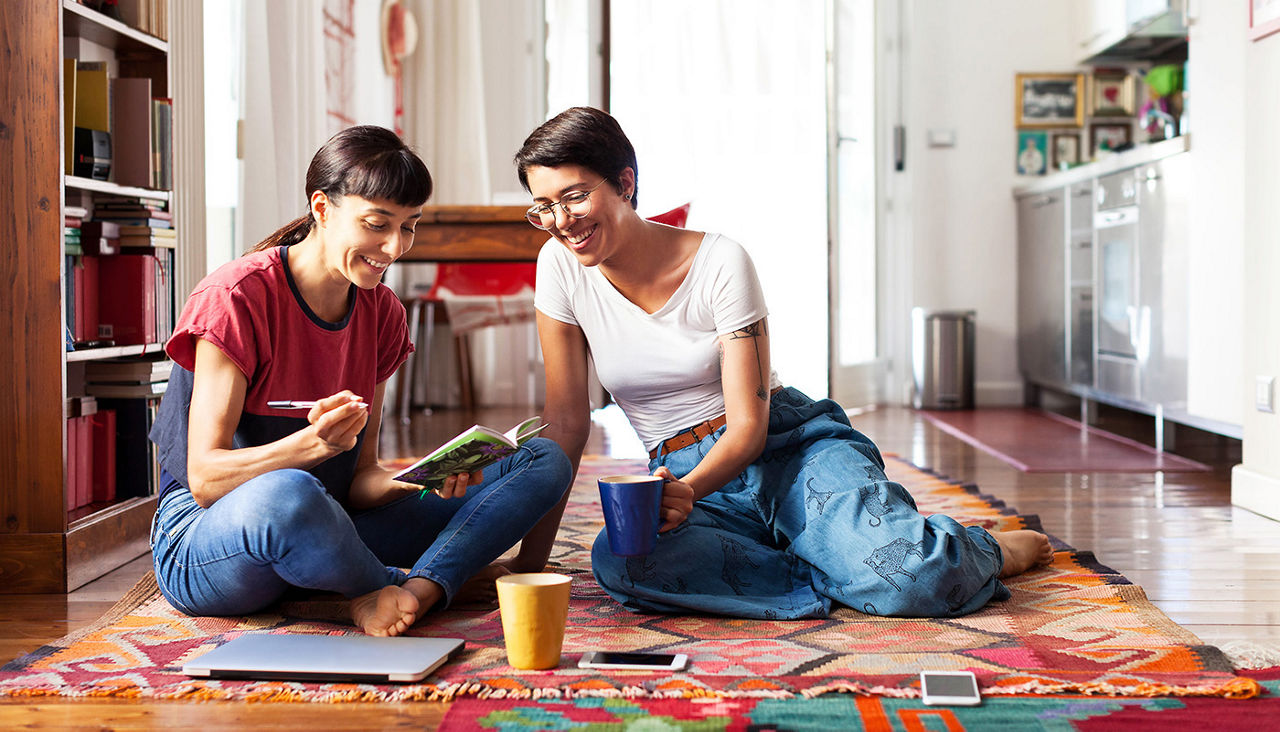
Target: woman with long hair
[(256, 498)]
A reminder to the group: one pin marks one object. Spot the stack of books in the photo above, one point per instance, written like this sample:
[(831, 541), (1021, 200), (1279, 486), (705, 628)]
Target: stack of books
[(127, 378)]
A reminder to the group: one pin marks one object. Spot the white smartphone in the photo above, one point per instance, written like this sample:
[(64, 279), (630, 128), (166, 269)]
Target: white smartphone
[(950, 688), (636, 661)]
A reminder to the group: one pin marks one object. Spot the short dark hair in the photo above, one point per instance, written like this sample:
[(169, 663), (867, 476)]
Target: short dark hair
[(366, 161), (582, 136)]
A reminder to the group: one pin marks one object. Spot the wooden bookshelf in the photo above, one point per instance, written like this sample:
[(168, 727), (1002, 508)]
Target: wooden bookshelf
[(43, 546)]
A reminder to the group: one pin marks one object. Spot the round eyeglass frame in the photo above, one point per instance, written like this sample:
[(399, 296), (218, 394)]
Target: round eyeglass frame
[(535, 213)]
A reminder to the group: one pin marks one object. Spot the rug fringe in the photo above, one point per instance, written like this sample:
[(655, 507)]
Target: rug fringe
[(1238, 688), (1251, 655)]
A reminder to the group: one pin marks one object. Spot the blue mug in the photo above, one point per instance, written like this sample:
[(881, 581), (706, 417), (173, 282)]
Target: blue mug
[(632, 512)]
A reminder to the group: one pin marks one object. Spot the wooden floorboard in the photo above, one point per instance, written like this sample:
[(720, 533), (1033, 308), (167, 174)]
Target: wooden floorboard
[(1211, 567)]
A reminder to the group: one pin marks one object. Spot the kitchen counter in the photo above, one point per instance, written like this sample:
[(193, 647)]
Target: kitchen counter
[(1138, 155)]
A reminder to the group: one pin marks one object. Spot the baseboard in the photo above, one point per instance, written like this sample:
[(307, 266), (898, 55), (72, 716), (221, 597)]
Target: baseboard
[(998, 394), (1255, 492)]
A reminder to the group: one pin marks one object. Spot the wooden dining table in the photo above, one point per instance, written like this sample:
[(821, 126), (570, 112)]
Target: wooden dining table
[(475, 234)]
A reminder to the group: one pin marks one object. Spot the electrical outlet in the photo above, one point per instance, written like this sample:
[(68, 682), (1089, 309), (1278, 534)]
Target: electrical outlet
[(1263, 394)]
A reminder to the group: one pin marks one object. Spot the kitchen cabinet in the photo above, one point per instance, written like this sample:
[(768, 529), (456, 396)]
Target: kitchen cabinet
[(1102, 281), (1132, 29), (1100, 24), (1042, 317)]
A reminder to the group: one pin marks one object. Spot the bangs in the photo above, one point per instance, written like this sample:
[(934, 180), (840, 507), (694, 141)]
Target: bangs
[(395, 175)]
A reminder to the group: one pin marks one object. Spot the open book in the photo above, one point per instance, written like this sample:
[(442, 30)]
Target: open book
[(470, 451)]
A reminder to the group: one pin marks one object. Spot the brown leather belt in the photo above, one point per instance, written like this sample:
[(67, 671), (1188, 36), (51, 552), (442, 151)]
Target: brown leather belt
[(687, 437)]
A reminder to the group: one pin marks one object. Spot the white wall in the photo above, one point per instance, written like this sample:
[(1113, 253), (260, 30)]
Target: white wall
[(962, 58), (1215, 294), (1256, 483)]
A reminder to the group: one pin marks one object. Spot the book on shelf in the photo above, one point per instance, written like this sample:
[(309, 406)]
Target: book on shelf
[(110, 201), (126, 391), (137, 465), (137, 295), (162, 143), (149, 16), (121, 214), (144, 370), (100, 237), (68, 117), (147, 227), (131, 122), (103, 475), (471, 450), (79, 212), (82, 283)]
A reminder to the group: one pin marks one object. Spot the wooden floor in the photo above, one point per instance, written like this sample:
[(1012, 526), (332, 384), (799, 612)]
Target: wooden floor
[(1213, 568)]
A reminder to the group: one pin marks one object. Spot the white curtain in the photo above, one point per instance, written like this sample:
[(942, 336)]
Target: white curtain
[(284, 120), (444, 100), (726, 105)]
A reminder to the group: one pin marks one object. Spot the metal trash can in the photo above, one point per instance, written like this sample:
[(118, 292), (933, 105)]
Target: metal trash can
[(942, 358)]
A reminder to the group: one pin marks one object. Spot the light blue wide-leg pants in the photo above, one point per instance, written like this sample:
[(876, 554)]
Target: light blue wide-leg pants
[(812, 522)]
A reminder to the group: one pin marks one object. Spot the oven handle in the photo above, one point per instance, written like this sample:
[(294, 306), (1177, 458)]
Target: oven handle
[(1117, 217)]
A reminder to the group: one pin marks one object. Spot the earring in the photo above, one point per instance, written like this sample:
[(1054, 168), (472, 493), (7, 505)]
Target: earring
[(627, 197)]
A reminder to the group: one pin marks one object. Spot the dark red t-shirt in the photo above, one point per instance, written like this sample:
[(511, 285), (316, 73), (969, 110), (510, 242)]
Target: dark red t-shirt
[(251, 310)]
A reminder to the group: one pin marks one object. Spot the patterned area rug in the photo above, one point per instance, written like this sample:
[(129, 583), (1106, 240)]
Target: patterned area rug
[(1073, 627), (849, 711)]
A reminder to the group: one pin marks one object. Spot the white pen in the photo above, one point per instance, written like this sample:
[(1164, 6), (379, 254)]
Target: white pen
[(295, 404)]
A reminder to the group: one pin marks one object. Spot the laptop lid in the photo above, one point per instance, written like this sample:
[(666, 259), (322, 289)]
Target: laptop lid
[(310, 657)]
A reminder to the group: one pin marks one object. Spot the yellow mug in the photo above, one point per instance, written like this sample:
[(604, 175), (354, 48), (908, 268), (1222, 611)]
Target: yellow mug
[(534, 609)]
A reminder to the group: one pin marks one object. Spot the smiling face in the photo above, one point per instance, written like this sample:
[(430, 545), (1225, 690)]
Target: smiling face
[(595, 237), (363, 237)]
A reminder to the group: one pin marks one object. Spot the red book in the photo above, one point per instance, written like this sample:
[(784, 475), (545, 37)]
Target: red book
[(86, 283), (79, 462), (127, 297), (104, 456)]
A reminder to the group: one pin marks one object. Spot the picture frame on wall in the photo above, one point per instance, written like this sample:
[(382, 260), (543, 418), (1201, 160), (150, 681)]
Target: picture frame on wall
[(1111, 94), (1065, 150), (1104, 136), (1264, 18), (1032, 155), (1049, 100)]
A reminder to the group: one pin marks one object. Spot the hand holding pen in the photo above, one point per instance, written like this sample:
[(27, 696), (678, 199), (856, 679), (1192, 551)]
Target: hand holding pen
[(337, 420)]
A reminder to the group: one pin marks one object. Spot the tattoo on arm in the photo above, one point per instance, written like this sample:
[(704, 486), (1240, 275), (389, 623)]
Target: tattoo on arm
[(754, 331)]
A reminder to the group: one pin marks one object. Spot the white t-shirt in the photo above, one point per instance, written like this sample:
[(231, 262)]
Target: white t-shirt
[(663, 368)]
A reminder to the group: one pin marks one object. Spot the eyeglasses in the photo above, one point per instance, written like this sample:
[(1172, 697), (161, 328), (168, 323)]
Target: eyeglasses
[(576, 204)]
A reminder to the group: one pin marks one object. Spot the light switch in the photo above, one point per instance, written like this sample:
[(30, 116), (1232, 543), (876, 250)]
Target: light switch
[(942, 138), (1264, 394)]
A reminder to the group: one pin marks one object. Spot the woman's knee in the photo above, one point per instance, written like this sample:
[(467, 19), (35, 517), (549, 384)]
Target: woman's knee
[(287, 497), (553, 469)]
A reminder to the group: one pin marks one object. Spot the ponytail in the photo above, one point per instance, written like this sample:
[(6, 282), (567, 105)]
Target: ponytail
[(291, 233)]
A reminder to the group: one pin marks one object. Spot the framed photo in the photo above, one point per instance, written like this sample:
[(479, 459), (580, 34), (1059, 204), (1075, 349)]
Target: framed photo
[(1264, 18), (1049, 100), (1107, 136), (1032, 152), (1065, 149), (1111, 94)]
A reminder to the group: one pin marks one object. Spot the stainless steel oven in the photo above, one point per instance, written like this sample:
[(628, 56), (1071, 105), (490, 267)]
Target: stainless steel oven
[(1118, 309)]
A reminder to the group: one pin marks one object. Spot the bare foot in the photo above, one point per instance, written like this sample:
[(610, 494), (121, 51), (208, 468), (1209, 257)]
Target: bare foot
[(480, 590), (388, 611), (1023, 549)]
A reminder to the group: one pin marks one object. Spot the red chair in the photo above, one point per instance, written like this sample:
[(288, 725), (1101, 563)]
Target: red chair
[(677, 216), (479, 295)]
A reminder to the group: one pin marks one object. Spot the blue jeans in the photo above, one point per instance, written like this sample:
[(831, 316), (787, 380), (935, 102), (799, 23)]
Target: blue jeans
[(282, 530), (812, 522)]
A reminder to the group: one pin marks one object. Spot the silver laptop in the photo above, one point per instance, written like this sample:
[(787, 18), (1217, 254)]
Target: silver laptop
[(308, 657)]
